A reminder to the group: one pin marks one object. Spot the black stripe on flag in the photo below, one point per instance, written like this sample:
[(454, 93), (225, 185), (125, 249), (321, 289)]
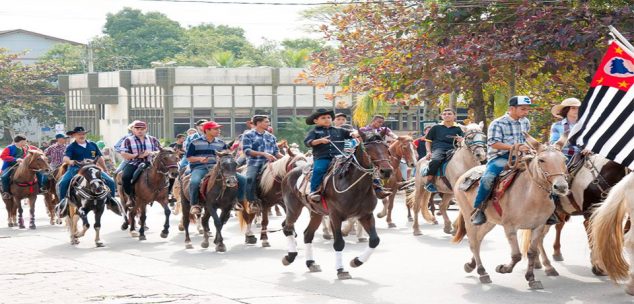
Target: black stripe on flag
[(618, 147), (604, 115), (587, 116), (614, 126)]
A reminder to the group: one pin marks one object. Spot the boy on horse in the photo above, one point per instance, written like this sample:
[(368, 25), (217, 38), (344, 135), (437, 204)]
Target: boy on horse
[(376, 125), (327, 142), (568, 112), (12, 156), (201, 156), (82, 149), (200, 133), (260, 147), (439, 142), (503, 133), (137, 150)]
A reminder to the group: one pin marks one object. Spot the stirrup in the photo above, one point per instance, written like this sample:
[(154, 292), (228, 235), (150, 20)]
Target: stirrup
[(195, 210), (478, 217)]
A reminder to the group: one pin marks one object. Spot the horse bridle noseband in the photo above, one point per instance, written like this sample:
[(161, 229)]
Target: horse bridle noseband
[(87, 194), (161, 163), (471, 143)]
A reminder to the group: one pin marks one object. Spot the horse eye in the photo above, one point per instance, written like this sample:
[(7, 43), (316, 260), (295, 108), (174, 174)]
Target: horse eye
[(541, 160)]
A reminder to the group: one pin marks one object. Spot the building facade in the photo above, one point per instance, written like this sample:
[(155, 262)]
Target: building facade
[(172, 99), (35, 45)]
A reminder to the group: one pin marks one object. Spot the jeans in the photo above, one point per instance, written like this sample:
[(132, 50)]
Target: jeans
[(126, 178), (437, 157), (183, 163), (62, 185), (197, 176), (493, 169), (6, 179), (320, 166), (252, 175)]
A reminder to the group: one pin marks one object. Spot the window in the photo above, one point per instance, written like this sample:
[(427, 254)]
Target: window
[(182, 97), (202, 97), (243, 96), (285, 96), (304, 95), (223, 97)]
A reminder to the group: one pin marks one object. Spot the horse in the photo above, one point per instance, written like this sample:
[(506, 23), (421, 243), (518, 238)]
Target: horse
[(24, 185), (589, 187), (270, 193), (220, 190), (401, 149), (607, 238), (544, 175), (51, 197), (349, 193), (470, 153), (152, 185), (87, 192)]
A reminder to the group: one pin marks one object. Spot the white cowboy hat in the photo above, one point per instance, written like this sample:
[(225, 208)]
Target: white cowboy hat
[(568, 102)]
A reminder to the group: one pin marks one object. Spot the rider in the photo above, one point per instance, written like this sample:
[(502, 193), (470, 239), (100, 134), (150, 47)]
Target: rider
[(118, 147), (439, 142), (568, 112), (82, 149), (193, 136), (201, 155), (55, 152), (259, 147), (376, 125), (341, 121), (12, 156), (503, 133), (327, 142), (137, 150)]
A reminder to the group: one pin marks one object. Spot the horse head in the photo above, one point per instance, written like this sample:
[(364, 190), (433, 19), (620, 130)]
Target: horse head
[(166, 162), (404, 148), (476, 140), (36, 161), (548, 166), (227, 167), (375, 153), (91, 179)]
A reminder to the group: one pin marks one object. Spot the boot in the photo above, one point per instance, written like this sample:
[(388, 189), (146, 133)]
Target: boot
[(478, 217), (315, 197), (552, 220), (431, 188), (381, 192)]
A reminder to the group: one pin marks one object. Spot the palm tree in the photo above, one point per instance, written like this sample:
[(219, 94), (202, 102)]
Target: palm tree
[(366, 107), (293, 58)]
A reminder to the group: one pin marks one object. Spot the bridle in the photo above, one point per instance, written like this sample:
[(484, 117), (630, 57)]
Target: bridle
[(474, 139), (545, 174), (88, 194), (160, 163)]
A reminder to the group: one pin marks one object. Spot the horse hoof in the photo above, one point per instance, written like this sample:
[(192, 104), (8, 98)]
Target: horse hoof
[(285, 261), (142, 238), (448, 230), (189, 246), (344, 234), (485, 279), (52, 222), (327, 237), (74, 242), (362, 240), (391, 225), (181, 227), (629, 290), (32, 226), (354, 263), (21, 226), (251, 239), (558, 257), (266, 244), (538, 266), (435, 222), (277, 213), (598, 271), (124, 226), (535, 285), (164, 234), (468, 268), (204, 244), (201, 231), (99, 244), (410, 219), (552, 272), (500, 269), (10, 225), (134, 234), (221, 248), (417, 232), (343, 275), (314, 268), (380, 215)]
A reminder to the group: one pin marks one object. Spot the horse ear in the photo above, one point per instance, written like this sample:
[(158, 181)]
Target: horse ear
[(481, 125), (561, 142), (290, 152), (532, 142), (383, 132)]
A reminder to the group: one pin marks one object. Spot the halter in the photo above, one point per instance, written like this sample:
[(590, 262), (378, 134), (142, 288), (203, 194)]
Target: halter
[(473, 143), (87, 194), (547, 175), (222, 178), (373, 170), (161, 163)]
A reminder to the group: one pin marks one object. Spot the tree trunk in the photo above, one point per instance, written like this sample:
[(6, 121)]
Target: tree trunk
[(478, 104), (512, 81), (491, 108)]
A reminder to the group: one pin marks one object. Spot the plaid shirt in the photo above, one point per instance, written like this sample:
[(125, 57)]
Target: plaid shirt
[(508, 131), (254, 141), (560, 128), (55, 154), (134, 145)]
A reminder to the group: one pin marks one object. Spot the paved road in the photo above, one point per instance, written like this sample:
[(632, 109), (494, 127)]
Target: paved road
[(41, 267)]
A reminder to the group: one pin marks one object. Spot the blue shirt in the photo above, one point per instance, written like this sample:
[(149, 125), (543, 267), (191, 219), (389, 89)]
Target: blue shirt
[(78, 153), (560, 128), (202, 148), (508, 131), (118, 146), (260, 142)]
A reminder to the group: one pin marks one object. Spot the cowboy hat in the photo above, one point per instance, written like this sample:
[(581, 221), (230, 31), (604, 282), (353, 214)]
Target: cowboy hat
[(77, 130), (568, 102), (319, 112)]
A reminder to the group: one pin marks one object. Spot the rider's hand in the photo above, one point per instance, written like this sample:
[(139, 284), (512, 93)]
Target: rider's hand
[(19, 160), (324, 140), (459, 138), (428, 156), (270, 157), (524, 148), (586, 152), (144, 154)]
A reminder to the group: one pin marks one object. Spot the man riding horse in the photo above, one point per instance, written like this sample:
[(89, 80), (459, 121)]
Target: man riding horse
[(11, 156), (82, 149), (502, 135), (201, 155), (439, 143), (137, 150), (260, 147)]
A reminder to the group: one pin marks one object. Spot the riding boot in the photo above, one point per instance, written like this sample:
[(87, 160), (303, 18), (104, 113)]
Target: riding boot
[(552, 220), (478, 217), (431, 188), (315, 197)]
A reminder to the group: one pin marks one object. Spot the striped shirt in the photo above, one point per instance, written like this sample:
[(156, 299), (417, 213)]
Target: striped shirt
[(508, 131), (134, 145), (118, 146), (201, 147), (55, 154), (260, 142)]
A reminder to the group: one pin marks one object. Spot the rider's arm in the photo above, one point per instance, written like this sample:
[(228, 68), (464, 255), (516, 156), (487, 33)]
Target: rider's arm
[(68, 161), (126, 150), (6, 155), (501, 146), (190, 154)]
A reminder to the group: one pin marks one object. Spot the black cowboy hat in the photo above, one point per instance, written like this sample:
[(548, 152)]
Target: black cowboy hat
[(77, 130), (319, 112)]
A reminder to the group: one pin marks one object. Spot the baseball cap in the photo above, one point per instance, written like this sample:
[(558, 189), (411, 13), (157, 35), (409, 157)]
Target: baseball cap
[(520, 101)]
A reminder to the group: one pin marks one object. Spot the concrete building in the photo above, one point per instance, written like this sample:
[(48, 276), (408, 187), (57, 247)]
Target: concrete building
[(171, 99), (34, 44)]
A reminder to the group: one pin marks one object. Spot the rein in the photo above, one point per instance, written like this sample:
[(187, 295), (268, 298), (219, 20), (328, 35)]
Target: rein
[(366, 171), (86, 194)]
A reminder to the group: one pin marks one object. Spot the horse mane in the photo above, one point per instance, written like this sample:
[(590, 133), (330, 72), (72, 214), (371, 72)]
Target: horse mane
[(23, 168), (472, 127), (211, 181), (61, 170), (272, 171), (404, 137)]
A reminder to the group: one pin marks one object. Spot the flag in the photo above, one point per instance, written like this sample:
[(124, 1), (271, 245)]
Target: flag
[(606, 115)]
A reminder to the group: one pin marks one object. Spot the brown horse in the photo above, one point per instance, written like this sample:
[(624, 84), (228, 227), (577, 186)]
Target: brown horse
[(50, 197), (24, 186), (401, 149), (468, 154), (270, 193), (544, 174), (347, 194), (152, 185)]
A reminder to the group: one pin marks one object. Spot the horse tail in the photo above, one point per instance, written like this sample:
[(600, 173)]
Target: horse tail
[(461, 230), (243, 216), (421, 203), (607, 230)]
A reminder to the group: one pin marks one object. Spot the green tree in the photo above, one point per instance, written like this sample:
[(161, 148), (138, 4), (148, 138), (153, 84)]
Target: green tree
[(295, 58), (71, 59), (294, 131)]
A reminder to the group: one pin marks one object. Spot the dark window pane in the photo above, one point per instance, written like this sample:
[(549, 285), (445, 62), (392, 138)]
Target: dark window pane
[(304, 112), (285, 112), (202, 112), (182, 121)]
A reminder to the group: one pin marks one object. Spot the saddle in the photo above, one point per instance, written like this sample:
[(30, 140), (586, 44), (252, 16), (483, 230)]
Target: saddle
[(30, 185), (340, 165), (442, 172), (137, 173), (500, 185)]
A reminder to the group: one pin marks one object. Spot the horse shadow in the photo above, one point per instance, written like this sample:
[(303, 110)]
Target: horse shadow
[(361, 288)]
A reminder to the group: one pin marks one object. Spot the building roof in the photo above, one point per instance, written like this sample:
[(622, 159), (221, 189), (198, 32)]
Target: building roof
[(40, 35)]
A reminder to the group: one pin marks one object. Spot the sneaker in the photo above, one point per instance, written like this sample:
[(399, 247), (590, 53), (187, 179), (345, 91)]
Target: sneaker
[(430, 187), (478, 217), (195, 210), (552, 220)]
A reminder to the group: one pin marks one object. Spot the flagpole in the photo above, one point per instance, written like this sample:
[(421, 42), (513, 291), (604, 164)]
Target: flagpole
[(620, 37)]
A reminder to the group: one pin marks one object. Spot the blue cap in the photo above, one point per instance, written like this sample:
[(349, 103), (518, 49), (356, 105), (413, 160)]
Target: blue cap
[(58, 136)]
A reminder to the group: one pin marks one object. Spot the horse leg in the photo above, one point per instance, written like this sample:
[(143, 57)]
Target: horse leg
[(444, 205), (368, 224), (85, 223), (475, 235), (516, 254), (48, 201), (20, 211), (383, 212), (309, 234), (249, 236), (142, 223), (205, 222), (326, 229), (361, 238), (557, 256), (293, 210), (218, 222), (339, 245), (531, 255), (278, 212), (629, 248), (264, 237), (348, 227), (390, 206), (166, 225), (596, 270), (126, 211), (548, 267), (32, 212), (132, 221), (185, 222), (98, 213), (73, 220)]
